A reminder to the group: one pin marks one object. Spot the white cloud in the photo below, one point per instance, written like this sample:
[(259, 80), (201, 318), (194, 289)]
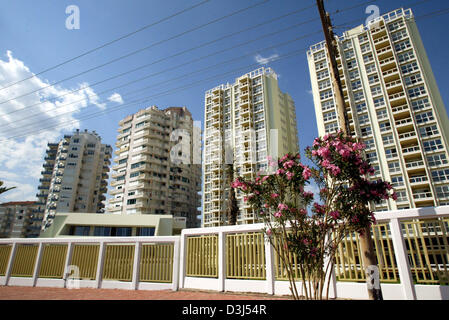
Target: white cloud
[(24, 134), (115, 97), (264, 60)]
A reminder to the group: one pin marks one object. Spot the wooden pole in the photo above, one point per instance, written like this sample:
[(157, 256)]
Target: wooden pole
[(366, 243)]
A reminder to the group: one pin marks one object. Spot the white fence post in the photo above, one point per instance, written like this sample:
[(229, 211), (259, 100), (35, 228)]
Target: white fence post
[(401, 255), (182, 260), (10, 262), (68, 258), (269, 265), (136, 269), (101, 255), (221, 261), (176, 264), (38, 263)]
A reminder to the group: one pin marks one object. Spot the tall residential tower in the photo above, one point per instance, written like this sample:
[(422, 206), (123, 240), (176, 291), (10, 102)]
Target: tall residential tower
[(155, 170), (393, 104), (244, 123), (75, 176)]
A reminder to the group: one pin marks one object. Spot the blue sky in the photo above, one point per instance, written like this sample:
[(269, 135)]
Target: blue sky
[(35, 37)]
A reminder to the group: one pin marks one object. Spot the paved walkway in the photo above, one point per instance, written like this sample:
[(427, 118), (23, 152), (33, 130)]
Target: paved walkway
[(43, 293)]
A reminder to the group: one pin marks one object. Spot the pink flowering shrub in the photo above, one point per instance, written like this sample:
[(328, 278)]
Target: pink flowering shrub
[(341, 207)]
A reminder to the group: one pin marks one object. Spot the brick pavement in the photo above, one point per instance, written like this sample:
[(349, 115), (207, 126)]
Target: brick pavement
[(44, 293)]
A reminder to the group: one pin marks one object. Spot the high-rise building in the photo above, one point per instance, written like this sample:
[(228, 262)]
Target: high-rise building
[(75, 176), (393, 104), (20, 219), (155, 170), (245, 122)]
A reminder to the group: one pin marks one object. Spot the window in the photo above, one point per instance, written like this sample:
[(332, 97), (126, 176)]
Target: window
[(320, 65), (361, 107), (354, 74), (417, 91), (145, 232), (373, 79), (79, 230), (437, 160), (376, 90), (331, 127), (371, 156), (349, 54), (368, 57), (131, 201), (384, 126), (402, 45), (327, 105), (366, 131), (347, 45), (420, 104), (365, 47), (319, 55), (428, 131), (409, 67), (382, 114), (370, 68), (442, 192), (402, 196), (397, 181), (363, 119), (324, 84), (399, 35), (322, 74), (351, 64), (391, 153), (415, 78), (432, 145), (403, 57), (356, 85), (122, 161), (379, 102), (134, 174), (424, 117), (328, 116), (394, 167), (121, 232), (395, 25), (369, 143), (358, 95), (326, 94), (363, 37), (102, 231), (440, 175), (387, 139)]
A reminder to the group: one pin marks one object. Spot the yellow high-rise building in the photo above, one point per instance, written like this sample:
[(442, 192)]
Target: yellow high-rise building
[(393, 104), (244, 123)]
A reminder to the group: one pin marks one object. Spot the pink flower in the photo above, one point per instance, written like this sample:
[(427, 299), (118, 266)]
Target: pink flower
[(274, 195), (265, 178), (308, 194), (282, 206), (394, 196), (302, 211), (266, 205), (289, 175), (306, 173), (269, 232), (280, 171), (278, 214), (335, 215)]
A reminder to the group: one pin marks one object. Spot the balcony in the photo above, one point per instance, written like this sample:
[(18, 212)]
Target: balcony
[(46, 172), (413, 150), (401, 111), (390, 75), (381, 42), (423, 196), (419, 180), (394, 86), (408, 137), (387, 64)]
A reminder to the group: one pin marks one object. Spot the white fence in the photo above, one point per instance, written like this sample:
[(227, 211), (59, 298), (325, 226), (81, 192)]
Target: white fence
[(233, 258)]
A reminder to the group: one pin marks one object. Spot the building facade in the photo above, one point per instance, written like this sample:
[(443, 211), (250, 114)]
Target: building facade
[(393, 104), (20, 219), (155, 171), (75, 175), (245, 122)]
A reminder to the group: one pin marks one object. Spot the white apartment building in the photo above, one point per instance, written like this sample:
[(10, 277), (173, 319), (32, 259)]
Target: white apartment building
[(20, 219), (75, 176), (155, 171), (244, 123), (393, 104)]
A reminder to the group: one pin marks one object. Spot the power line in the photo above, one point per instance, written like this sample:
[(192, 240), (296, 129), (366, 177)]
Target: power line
[(174, 55), (147, 98), (108, 43), (277, 45), (142, 49), (228, 61)]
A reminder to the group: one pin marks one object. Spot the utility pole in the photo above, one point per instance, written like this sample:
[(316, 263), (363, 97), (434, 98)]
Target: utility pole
[(366, 242)]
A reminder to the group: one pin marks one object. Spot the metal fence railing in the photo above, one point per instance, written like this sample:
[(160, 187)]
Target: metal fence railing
[(202, 256)]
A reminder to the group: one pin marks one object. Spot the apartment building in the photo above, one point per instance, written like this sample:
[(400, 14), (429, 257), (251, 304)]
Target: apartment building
[(244, 123), (393, 104), (75, 176), (155, 170), (20, 219)]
